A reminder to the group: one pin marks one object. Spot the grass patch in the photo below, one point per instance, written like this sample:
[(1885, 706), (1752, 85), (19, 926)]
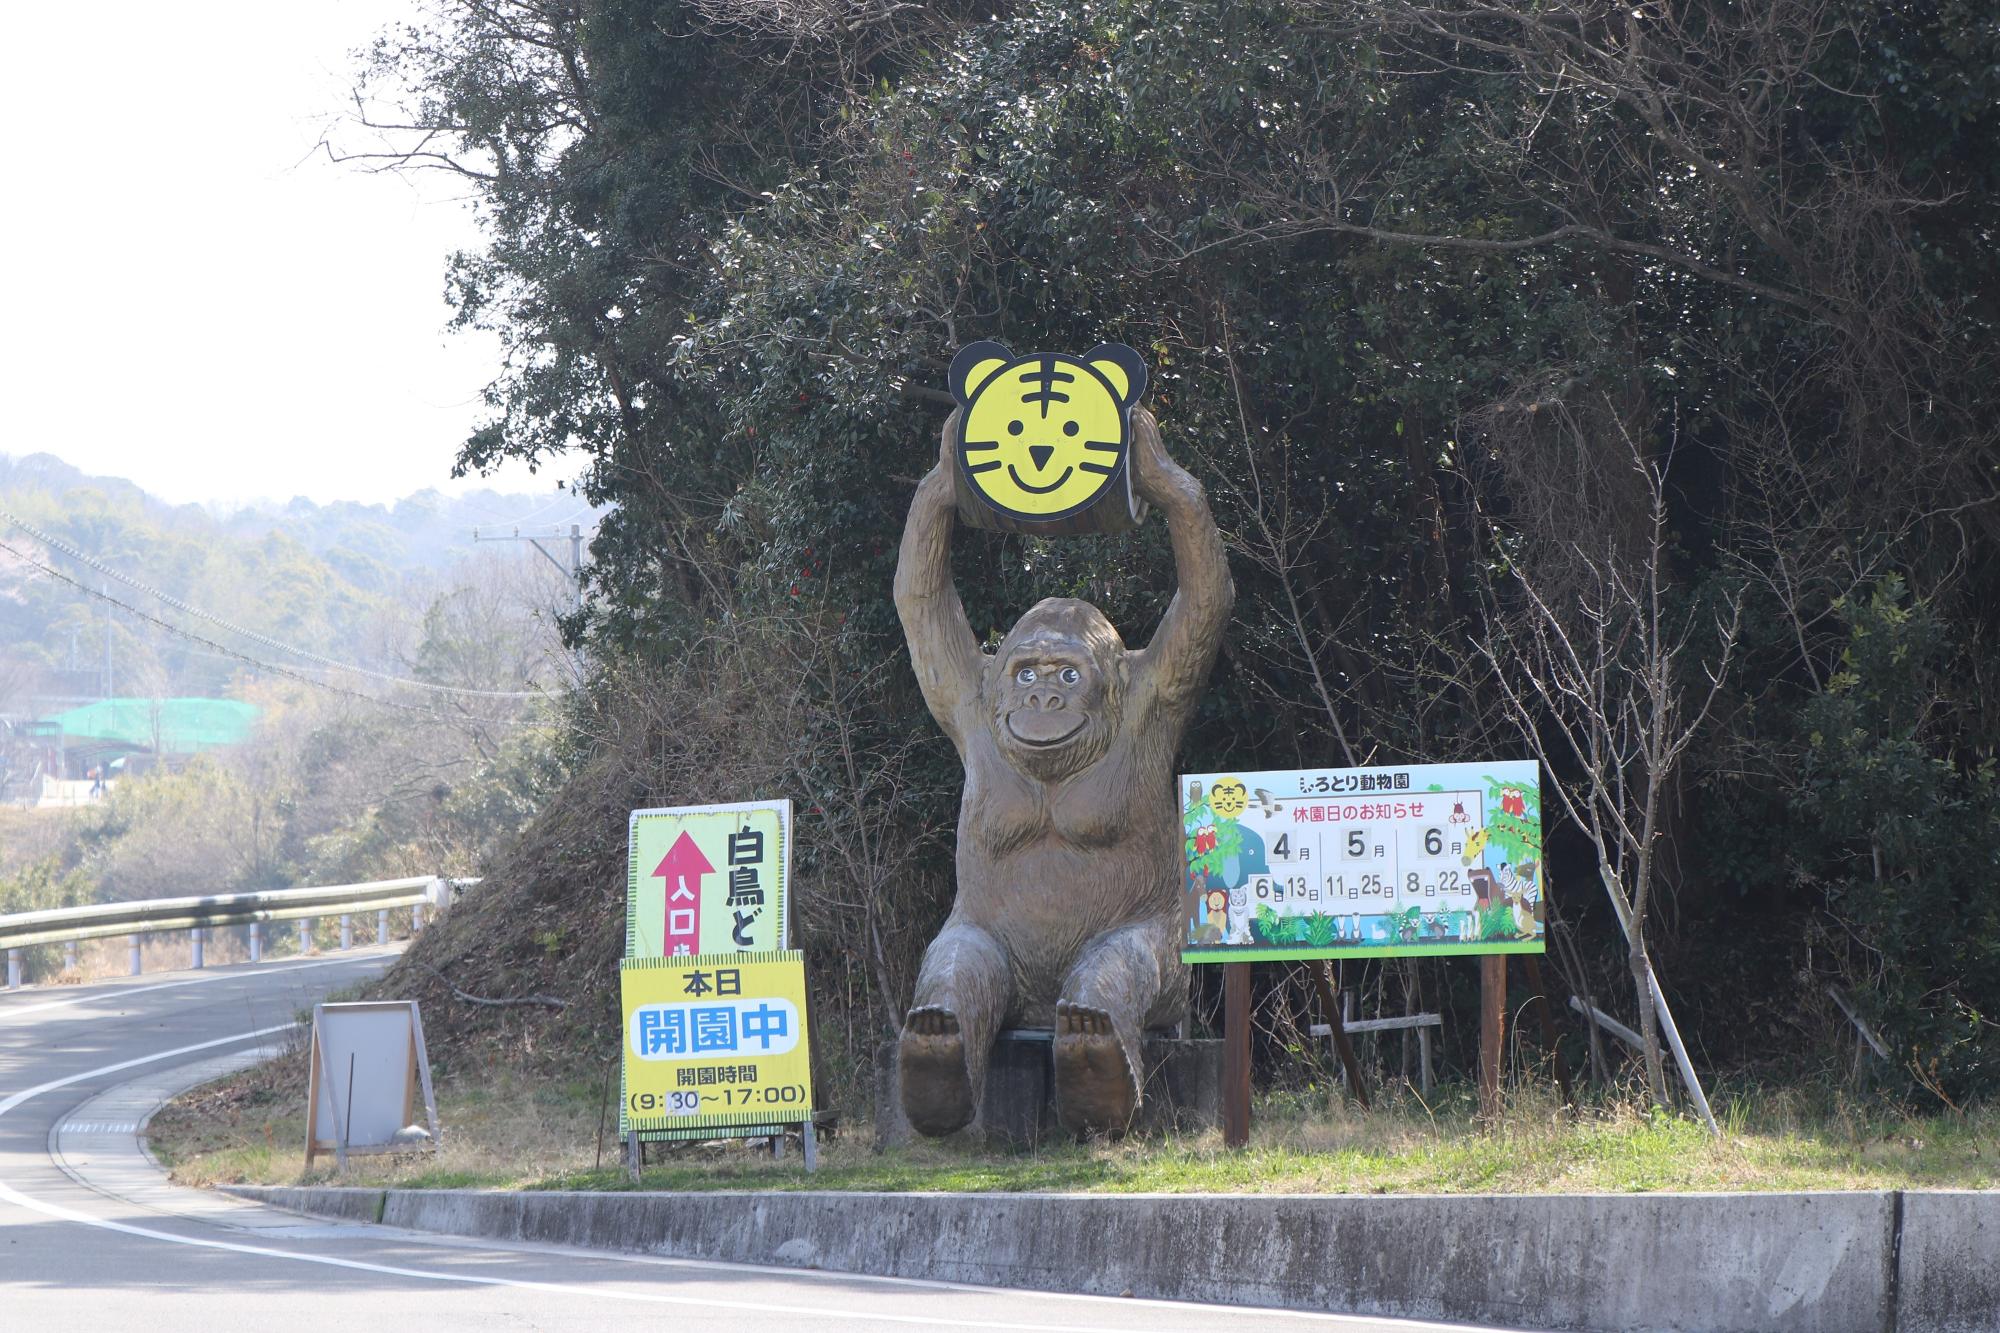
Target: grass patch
[(502, 1131)]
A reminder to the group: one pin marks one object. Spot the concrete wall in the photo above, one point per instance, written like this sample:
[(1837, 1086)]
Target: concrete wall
[(1767, 1263), (1949, 1277)]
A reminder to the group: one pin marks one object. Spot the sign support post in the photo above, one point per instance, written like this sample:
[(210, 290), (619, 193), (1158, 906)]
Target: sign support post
[(1492, 1030), (1235, 1054)]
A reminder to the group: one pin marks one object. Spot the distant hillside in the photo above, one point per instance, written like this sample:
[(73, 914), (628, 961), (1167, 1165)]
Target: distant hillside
[(353, 582), (427, 530)]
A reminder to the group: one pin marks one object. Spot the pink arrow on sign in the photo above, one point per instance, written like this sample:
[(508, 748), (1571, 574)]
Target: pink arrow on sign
[(682, 869)]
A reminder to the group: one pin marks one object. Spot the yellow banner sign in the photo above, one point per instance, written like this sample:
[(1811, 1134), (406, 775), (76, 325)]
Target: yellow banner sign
[(715, 1042)]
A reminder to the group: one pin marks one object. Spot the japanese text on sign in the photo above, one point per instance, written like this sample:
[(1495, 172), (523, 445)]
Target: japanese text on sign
[(761, 1027)]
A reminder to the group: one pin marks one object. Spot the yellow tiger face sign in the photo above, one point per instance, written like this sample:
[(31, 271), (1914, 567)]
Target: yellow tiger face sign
[(1228, 798), (1044, 436)]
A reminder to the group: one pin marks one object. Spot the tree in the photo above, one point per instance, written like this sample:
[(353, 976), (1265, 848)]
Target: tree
[(1413, 279), (1589, 653)]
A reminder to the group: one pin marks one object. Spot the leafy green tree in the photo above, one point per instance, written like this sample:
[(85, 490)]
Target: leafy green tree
[(1899, 824)]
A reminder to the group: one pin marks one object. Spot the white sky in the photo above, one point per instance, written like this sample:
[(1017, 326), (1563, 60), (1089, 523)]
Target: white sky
[(195, 301)]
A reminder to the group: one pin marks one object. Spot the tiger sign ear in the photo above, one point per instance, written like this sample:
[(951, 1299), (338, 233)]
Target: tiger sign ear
[(973, 366), (1121, 367)]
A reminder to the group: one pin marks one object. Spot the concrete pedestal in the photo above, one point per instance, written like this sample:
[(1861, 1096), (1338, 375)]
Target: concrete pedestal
[(1182, 1092)]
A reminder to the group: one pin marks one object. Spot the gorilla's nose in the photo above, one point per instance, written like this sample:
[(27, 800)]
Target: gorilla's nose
[(1040, 453)]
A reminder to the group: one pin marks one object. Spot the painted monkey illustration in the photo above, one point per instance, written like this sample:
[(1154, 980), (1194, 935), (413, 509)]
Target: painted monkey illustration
[(1069, 911), (1530, 912)]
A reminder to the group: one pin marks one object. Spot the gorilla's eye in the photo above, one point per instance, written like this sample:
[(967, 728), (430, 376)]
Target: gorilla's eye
[(1069, 676), (1013, 428), (1070, 428), (1026, 675)]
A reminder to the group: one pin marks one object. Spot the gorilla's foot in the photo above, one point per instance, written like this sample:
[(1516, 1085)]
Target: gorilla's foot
[(1096, 1088), (937, 1087)]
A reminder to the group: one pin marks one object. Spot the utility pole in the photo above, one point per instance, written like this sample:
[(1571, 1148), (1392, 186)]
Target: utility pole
[(576, 561), (574, 570), (106, 590)]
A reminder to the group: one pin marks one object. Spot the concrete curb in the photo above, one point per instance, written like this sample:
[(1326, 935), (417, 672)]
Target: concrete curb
[(1760, 1263)]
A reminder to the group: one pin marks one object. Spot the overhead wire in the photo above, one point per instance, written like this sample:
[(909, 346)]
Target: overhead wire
[(253, 635), (226, 650), (554, 501)]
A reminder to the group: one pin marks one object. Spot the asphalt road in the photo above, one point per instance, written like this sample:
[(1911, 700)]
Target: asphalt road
[(124, 1251)]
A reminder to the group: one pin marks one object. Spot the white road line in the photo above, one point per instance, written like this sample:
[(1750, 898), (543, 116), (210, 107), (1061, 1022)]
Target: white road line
[(11, 1195), (116, 993)]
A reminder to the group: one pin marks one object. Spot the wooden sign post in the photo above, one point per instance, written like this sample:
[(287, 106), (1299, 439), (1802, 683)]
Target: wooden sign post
[(1235, 1054), (1492, 1031)]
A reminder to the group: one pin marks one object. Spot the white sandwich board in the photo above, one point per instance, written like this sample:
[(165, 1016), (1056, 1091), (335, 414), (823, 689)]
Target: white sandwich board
[(367, 1066)]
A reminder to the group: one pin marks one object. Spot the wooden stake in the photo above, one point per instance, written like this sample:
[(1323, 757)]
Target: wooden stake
[(313, 1063), (1492, 1030), (1322, 976), (1236, 1054), (1673, 1035), (1548, 1025)]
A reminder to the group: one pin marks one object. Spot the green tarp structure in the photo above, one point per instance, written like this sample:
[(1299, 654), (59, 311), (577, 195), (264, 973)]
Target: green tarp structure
[(165, 726)]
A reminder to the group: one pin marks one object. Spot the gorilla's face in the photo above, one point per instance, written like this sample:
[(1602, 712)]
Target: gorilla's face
[(1054, 705)]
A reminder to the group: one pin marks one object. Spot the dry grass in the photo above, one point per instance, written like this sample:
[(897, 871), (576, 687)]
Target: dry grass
[(503, 1131), (29, 834), (499, 1129)]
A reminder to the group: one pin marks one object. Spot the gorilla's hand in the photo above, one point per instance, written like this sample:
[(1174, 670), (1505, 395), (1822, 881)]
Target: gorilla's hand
[(1156, 477), (1177, 661), (948, 441)]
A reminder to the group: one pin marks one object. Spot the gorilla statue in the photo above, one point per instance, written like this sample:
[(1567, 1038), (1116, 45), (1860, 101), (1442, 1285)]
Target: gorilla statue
[(1068, 911)]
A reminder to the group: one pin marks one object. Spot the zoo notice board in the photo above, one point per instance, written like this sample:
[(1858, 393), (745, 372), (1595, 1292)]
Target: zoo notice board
[(1423, 860)]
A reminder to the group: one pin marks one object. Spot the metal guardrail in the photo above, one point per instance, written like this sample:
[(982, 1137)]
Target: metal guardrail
[(67, 925)]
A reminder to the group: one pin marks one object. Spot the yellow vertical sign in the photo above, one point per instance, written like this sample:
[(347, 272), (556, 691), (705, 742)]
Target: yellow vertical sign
[(714, 1041), (708, 879)]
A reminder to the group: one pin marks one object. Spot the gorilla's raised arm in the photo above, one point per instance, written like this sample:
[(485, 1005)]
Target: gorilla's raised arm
[(1168, 673), (942, 648)]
